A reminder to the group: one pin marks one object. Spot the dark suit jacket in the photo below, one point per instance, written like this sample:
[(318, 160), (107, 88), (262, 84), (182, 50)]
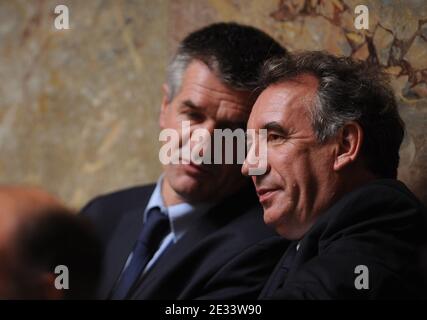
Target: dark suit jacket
[(228, 253), (381, 226)]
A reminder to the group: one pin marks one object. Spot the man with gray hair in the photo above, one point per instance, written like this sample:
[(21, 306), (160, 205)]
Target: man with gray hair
[(198, 232), (333, 138)]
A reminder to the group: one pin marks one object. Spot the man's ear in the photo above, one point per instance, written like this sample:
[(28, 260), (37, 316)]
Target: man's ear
[(349, 139), (164, 106)]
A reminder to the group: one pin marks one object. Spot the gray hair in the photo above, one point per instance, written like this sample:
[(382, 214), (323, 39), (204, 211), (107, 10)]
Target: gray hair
[(175, 72), (234, 52), (326, 121)]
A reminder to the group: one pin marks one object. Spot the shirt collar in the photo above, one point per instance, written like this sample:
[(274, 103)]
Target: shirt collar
[(181, 216)]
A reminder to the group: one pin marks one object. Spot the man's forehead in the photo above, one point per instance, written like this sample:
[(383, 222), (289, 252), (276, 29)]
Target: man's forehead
[(203, 99), (204, 95), (284, 101), (208, 95), (223, 110)]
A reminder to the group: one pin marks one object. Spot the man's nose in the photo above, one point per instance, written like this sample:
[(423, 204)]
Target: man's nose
[(256, 163), (210, 126), (207, 126), (245, 169), (205, 134), (250, 161)]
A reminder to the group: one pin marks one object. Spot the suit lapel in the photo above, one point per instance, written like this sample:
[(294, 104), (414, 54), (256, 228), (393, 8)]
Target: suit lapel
[(173, 256), (180, 252), (308, 248), (121, 245), (280, 272)]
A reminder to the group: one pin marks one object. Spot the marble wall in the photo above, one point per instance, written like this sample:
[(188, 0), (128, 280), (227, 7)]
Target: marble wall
[(79, 107)]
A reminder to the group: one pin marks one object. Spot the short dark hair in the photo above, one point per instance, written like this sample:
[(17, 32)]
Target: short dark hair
[(234, 52), (60, 238), (348, 90)]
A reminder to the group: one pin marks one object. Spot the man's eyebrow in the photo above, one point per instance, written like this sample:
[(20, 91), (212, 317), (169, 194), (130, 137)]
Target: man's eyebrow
[(274, 126), (190, 104)]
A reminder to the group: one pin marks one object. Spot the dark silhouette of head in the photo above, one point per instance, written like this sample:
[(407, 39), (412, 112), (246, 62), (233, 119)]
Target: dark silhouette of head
[(39, 236)]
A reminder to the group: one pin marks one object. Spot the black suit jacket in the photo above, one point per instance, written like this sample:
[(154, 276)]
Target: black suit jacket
[(227, 254), (380, 226)]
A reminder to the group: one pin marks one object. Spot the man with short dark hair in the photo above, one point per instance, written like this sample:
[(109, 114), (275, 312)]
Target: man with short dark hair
[(333, 138), (43, 244), (198, 232)]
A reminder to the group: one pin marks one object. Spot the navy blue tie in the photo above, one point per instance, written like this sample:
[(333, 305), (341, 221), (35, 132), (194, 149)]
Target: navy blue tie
[(153, 231)]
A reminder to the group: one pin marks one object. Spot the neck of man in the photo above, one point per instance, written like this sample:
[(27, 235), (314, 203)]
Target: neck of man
[(170, 197)]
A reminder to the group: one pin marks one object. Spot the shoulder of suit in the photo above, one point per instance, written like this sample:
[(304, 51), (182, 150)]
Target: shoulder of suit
[(106, 211), (377, 203), (384, 191), (119, 201)]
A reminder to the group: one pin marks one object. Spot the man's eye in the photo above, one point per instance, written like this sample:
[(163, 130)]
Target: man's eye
[(194, 116), (274, 137)]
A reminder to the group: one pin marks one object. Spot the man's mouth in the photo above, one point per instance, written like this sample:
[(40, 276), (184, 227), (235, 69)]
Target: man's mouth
[(195, 169), (265, 194)]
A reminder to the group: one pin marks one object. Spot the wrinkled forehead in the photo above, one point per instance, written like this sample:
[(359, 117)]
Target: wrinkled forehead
[(205, 87), (284, 102)]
